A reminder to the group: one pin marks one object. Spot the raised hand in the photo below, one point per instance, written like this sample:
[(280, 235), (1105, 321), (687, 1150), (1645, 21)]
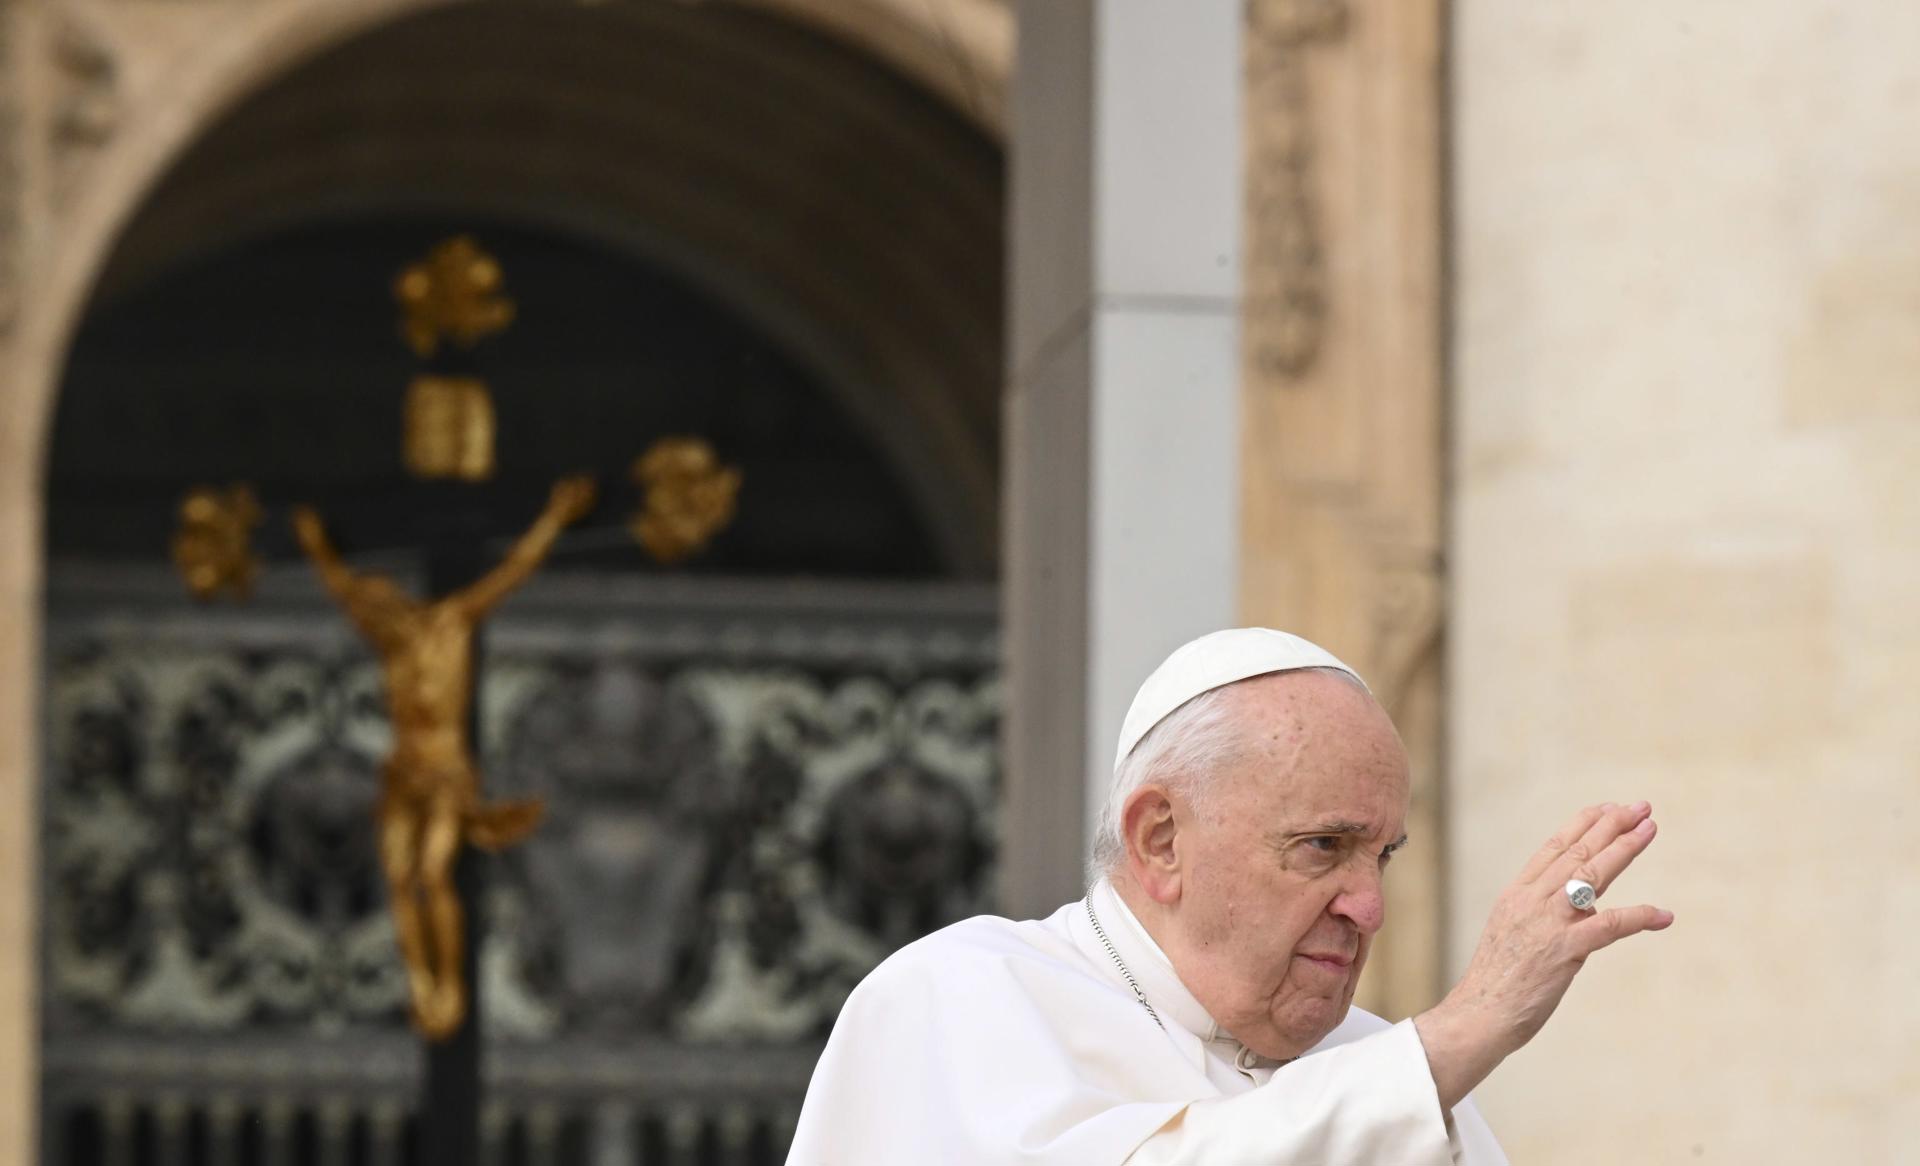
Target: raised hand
[(1534, 943)]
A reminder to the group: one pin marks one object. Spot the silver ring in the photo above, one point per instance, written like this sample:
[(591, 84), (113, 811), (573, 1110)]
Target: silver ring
[(1580, 894)]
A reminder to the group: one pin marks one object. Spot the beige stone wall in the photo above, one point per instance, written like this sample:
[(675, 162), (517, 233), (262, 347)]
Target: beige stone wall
[(1686, 556)]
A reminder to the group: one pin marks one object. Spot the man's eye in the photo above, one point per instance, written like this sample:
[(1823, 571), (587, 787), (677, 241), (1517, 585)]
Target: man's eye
[(1325, 844)]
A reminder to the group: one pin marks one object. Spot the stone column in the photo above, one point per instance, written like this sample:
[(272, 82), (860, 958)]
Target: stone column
[(19, 604), (1341, 535), (1123, 405)]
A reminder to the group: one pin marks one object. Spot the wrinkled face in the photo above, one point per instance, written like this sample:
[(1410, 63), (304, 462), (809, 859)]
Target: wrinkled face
[(1281, 867)]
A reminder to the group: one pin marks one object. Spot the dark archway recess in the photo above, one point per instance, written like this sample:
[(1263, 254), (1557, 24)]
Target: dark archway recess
[(824, 200), (278, 362), (765, 768)]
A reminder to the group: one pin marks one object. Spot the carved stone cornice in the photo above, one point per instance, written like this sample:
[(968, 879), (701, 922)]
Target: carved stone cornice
[(86, 102), (1406, 619), (1286, 292), (12, 176), (1343, 450)]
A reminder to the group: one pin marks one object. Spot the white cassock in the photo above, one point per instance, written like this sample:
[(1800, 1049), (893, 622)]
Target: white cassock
[(994, 1041)]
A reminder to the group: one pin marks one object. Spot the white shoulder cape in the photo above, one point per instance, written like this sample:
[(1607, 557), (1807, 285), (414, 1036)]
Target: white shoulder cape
[(995, 1041)]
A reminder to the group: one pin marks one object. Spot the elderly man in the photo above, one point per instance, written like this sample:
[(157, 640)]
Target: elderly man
[(1196, 1006)]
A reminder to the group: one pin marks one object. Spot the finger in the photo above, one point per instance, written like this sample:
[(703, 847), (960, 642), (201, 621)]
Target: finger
[(1580, 854), (1557, 845), (1618, 855), (1616, 923)]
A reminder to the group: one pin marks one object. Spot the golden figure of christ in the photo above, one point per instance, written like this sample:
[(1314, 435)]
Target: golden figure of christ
[(430, 801)]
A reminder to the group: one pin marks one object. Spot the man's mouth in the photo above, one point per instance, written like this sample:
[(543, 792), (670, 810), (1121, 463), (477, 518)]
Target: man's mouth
[(1332, 960)]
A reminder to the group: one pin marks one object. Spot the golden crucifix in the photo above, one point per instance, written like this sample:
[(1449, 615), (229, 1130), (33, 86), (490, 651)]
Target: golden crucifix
[(430, 801)]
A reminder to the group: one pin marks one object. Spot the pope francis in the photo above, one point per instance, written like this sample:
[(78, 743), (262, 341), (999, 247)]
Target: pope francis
[(1196, 1005)]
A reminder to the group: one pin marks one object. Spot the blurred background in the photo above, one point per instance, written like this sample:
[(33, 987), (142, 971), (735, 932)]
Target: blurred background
[(941, 364)]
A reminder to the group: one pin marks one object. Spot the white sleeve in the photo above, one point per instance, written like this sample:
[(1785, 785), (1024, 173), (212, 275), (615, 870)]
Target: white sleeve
[(1473, 1140), (1371, 1100)]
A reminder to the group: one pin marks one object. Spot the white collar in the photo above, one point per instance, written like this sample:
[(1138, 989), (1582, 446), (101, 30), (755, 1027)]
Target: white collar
[(1164, 989)]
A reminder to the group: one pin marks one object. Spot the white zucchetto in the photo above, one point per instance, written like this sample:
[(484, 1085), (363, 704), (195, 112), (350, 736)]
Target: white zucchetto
[(1215, 659)]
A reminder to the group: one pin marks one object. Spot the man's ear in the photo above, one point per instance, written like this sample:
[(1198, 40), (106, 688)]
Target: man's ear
[(1151, 833)]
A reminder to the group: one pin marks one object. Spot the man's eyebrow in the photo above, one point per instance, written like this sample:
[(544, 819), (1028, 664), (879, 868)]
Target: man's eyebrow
[(1337, 826), (1279, 838), (1331, 826)]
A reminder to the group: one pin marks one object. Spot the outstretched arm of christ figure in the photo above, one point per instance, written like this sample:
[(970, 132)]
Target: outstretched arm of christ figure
[(350, 589), (312, 534), (571, 498)]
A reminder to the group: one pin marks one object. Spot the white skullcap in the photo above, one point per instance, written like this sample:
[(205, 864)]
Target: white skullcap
[(1215, 659)]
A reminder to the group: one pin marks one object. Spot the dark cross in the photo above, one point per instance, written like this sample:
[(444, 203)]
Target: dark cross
[(450, 1092)]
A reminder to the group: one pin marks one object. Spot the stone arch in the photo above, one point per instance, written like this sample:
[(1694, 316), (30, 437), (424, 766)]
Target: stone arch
[(850, 216), (962, 56)]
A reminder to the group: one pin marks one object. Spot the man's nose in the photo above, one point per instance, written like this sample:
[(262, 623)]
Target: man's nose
[(1364, 902)]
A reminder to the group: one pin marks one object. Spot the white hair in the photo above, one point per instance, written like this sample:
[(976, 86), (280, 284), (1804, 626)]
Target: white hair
[(1182, 752)]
